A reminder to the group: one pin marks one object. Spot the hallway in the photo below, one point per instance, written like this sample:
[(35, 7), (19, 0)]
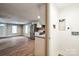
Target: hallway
[(21, 46)]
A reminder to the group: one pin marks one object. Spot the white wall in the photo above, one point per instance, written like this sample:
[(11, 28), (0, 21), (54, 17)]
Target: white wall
[(52, 33), (63, 42), (67, 43)]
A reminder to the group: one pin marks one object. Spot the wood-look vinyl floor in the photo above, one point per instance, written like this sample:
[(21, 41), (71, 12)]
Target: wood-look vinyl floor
[(23, 47)]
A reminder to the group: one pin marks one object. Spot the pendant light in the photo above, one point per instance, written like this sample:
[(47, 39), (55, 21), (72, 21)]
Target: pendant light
[(38, 17)]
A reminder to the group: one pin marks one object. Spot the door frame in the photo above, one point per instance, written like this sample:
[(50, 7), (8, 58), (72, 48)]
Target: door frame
[(46, 29)]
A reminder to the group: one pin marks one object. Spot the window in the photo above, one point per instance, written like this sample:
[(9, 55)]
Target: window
[(2, 29), (26, 29), (2, 24), (14, 29)]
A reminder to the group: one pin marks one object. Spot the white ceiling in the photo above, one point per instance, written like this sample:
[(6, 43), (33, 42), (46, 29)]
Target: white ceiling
[(63, 5), (19, 12)]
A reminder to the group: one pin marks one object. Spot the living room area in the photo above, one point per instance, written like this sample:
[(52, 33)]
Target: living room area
[(22, 29)]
